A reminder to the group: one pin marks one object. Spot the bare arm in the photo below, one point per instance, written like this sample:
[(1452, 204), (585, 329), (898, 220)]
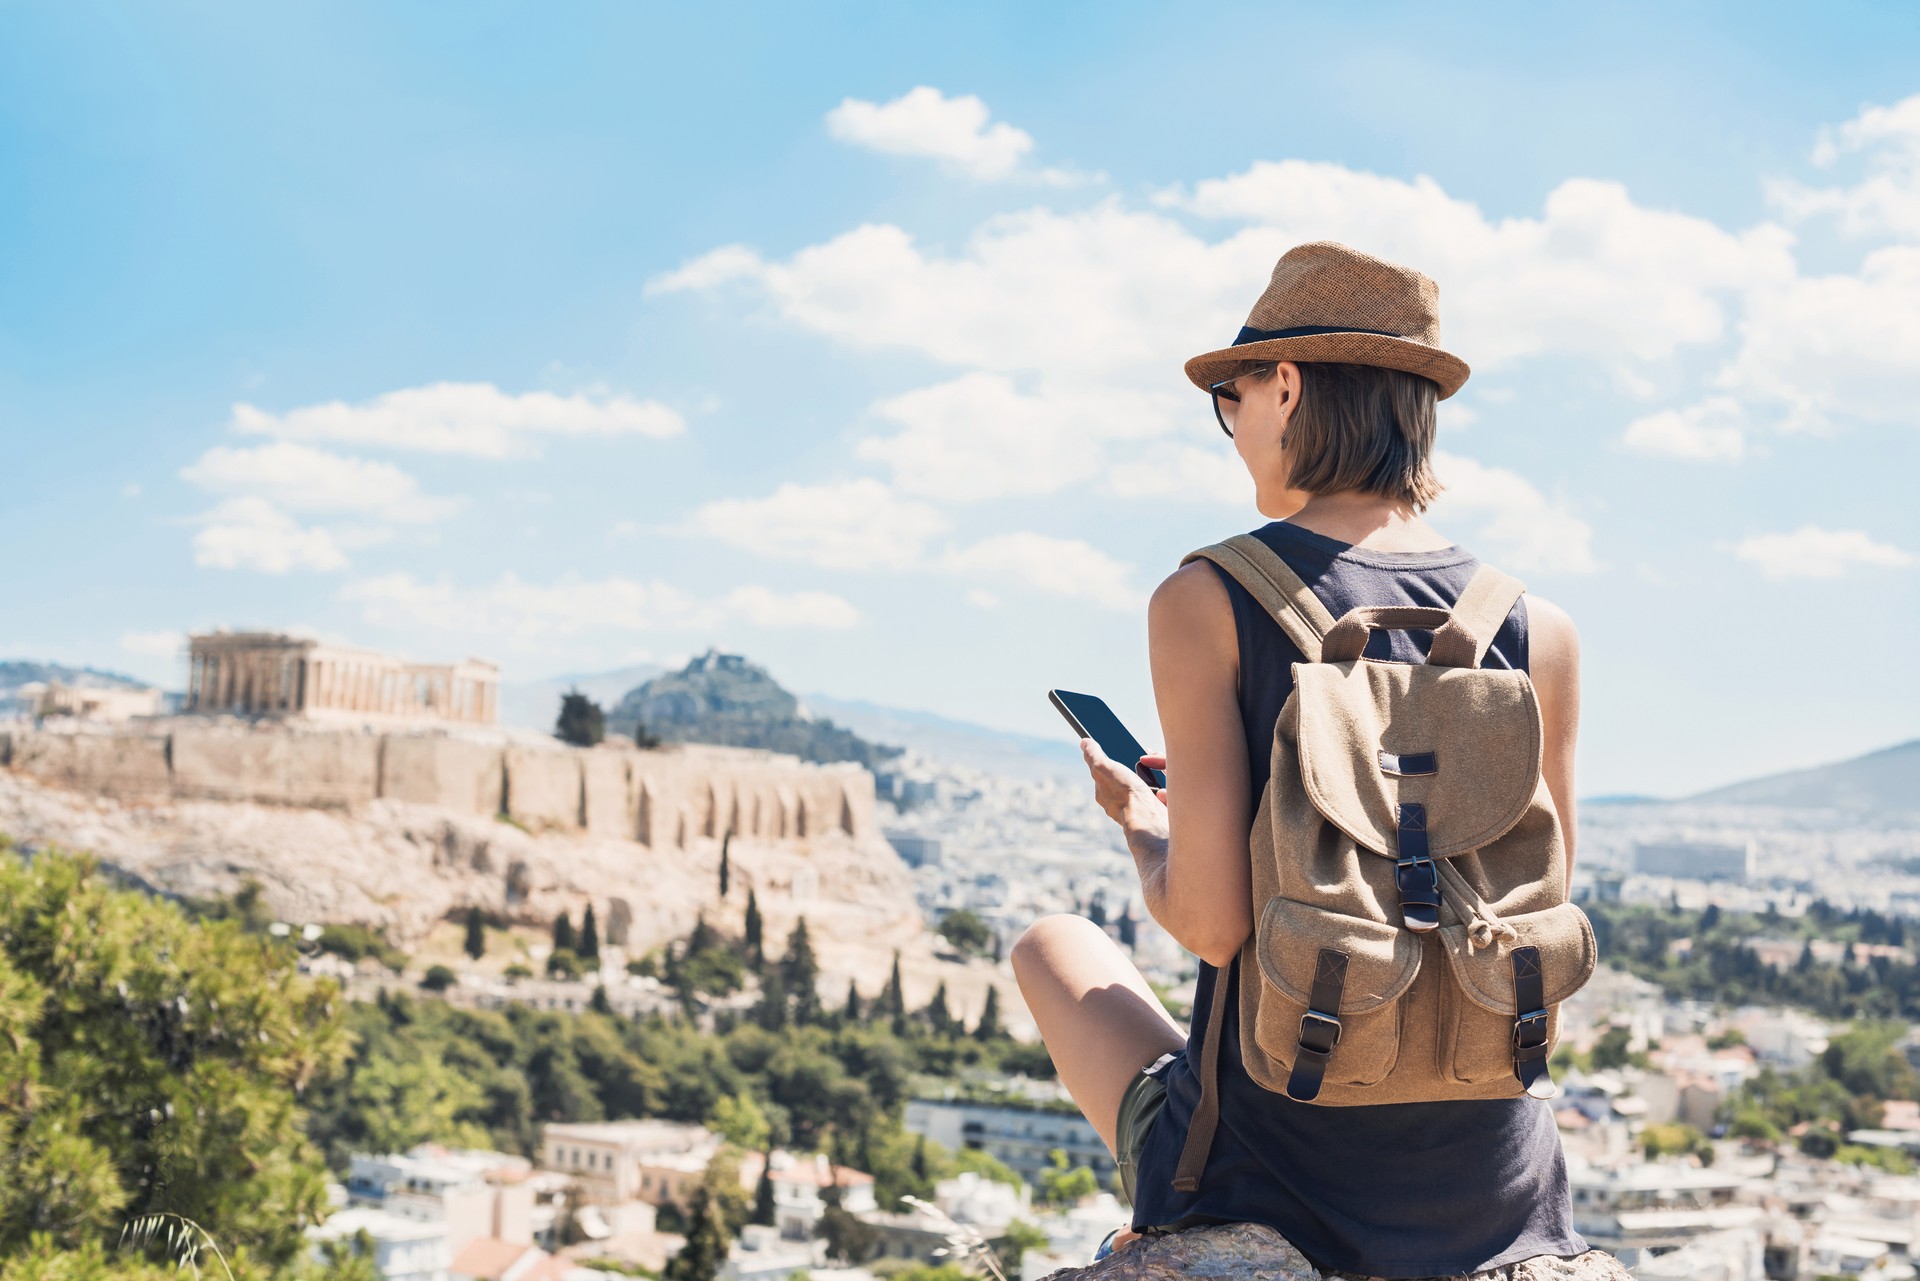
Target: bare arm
[(1191, 851), (1554, 660)]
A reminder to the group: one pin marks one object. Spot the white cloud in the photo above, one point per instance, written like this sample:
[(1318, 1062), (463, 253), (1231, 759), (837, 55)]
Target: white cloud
[(251, 533), (1059, 566), (1812, 552), (1088, 297), (527, 615), (154, 644), (1595, 275), (302, 478), (1836, 346), (476, 419), (925, 122), (979, 437), (1515, 525), (856, 524), (1887, 198), (981, 598), (1710, 431)]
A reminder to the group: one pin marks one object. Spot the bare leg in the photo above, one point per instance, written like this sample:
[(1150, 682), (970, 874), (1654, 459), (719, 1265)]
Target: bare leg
[(1100, 1020)]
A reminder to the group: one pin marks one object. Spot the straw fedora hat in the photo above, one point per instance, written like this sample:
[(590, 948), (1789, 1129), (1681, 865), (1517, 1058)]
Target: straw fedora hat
[(1329, 302)]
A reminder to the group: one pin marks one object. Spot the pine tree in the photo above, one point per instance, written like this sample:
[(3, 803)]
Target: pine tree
[(476, 946), (563, 933), (581, 721), (771, 1012), (801, 973), (705, 1252), (988, 1028), (725, 867), (851, 1013), (589, 937), (756, 958)]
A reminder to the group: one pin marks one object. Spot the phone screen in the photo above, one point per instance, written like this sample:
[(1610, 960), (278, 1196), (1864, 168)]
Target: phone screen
[(1092, 718)]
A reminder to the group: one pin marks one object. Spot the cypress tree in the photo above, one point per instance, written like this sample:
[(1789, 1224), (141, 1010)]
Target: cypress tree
[(725, 867), (763, 1192), (589, 937), (851, 1014), (938, 1017), (893, 1000), (476, 945), (705, 1252), (988, 1028), (1129, 929), (801, 973), (563, 933), (756, 957)]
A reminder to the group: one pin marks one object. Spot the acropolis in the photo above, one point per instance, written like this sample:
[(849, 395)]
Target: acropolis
[(292, 677)]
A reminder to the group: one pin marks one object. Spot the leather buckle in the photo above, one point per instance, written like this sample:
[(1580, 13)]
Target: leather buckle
[(1327, 1026), (1419, 895), (1530, 1031)]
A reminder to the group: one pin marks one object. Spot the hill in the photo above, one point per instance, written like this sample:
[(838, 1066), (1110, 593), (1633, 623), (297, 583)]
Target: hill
[(1879, 782), (724, 699), (16, 673), (959, 742)]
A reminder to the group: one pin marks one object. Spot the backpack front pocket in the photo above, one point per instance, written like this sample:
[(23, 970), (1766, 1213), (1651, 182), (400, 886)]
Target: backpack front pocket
[(1479, 1010), (1377, 963)]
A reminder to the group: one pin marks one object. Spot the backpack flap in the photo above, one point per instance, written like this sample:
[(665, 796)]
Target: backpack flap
[(1514, 978), (1376, 737)]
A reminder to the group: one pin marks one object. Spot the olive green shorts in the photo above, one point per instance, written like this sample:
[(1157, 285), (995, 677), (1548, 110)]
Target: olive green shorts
[(1146, 1094)]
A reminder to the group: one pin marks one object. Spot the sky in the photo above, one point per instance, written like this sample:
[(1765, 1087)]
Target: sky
[(849, 337)]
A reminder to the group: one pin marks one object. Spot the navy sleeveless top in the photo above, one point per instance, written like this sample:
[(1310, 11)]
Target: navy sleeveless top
[(1391, 1189)]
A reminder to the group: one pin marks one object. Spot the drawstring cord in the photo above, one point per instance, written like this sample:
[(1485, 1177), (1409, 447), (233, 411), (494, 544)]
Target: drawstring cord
[(1483, 923)]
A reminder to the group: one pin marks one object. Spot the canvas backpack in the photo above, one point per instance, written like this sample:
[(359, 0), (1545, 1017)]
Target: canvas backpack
[(1412, 931)]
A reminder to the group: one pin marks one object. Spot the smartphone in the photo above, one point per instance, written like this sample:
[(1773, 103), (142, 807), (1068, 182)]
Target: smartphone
[(1092, 718)]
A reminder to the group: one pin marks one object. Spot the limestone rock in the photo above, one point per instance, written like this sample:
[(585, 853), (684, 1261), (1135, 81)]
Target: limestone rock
[(1232, 1252), (1252, 1252)]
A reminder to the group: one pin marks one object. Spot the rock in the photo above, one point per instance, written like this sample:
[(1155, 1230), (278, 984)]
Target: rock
[(1253, 1252), (1240, 1251)]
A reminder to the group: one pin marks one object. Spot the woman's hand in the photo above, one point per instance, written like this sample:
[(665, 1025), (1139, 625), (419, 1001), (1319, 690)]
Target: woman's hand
[(1124, 795)]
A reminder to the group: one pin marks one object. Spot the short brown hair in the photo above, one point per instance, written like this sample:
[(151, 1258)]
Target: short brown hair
[(1363, 427)]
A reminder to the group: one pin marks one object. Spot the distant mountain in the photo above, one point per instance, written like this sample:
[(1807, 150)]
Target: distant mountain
[(17, 673), (536, 704), (943, 738), (1879, 782), (723, 698)]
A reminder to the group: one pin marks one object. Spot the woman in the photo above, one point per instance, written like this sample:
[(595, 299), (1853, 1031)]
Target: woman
[(1329, 396)]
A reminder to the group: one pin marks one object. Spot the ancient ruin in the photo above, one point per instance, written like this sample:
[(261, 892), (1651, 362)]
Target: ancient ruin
[(273, 674)]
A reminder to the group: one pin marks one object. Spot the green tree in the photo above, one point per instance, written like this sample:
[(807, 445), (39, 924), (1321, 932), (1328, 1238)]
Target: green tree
[(752, 930), (763, 1192), (739, 1120), (726, 843), (849, 1238), (563, 964), (438, 978), (850, 1012), (476, 944), (1610, 1049), (589, 937), (582, 723), (937, 1015), (967, 932), (563, 939), (1062, 1183), (893, 999), (151, 1064), (705, 1251), (801, 974), (988, 1028)]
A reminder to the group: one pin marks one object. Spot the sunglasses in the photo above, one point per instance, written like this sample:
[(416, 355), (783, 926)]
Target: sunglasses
[(1225, 398)]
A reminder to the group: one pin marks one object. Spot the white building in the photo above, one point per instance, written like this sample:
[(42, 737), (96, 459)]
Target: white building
[(403, 1249), (800, 1191), (1695, 860), (1023, 1139), (617, 1163), (762, 1254), (470, 1195)]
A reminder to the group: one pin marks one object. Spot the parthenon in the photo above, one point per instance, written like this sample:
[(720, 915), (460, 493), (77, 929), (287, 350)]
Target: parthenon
[(276, 675)]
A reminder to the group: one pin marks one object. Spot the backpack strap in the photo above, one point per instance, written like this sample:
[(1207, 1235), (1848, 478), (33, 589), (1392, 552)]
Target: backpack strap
[(1484, 605), (1206, 1114), (1268, 579)]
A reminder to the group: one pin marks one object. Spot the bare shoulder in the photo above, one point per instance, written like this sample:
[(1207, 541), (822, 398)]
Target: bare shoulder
[(1191, 603), (1553, 641), (1193, 594)]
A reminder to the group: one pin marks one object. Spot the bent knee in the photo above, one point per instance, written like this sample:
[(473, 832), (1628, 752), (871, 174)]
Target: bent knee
[(1046, 938)]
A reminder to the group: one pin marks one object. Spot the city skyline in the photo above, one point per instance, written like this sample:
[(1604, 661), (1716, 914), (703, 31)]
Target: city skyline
[(431, 332)]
